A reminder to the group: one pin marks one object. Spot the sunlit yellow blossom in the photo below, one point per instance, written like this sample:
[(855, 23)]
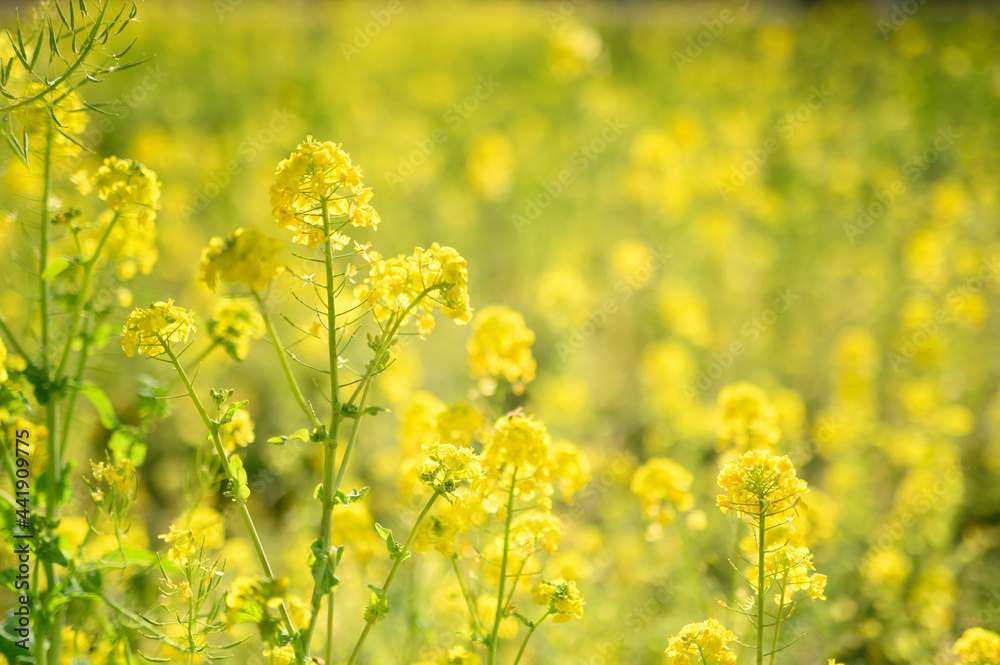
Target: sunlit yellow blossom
[(280, 655), (500, 346), (759, 483), (248, 257), (459, 655), (128, 188), (533, 531), (238, 432), (458, 424), (149, 330), (663, 487), (789, 568), (747, 419), (707, 642), (234, 323), (978, 646), (120, 476), (562, 597), (319, 179), (447, 465), (570, 468)]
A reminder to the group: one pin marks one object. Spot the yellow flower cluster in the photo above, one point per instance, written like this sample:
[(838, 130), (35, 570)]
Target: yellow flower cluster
[(760, 484), (747, 419), (129, 189), (563, 599), (59, 112), (148, 330), (119, 476), (234, 323), (248, 257), (570, 468), (520, 442), (280, 655), (500, 346), (663, 487), (533, 531), (789, 567), (708, 641), (978, 646), (202, 529), (319, 179), (447, 465), (238, 432), (412, 286)]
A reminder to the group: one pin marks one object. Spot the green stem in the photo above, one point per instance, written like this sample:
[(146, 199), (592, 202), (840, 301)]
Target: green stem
[(392, 573), (71, 403), (777, 622), (330, 448), (81, 296), (468, 599), (531, 631), (491, 644), (761, 552), (283, 360), (221, 452)]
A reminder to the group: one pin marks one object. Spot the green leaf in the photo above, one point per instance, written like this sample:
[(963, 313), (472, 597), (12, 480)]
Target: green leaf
[(127, 442), (55, 268), (353, 497), (100, 400), (239, 479), (301, 435), (231, 411), (395, 548), (322, 568), (377, 607)]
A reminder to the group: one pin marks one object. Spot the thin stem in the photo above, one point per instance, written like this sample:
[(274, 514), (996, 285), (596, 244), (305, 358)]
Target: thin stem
[(468, 599), (777, 624), (392, 572), (330, 447), (283, 360), (71, 404), (11, 339), (81, 296), (531, 631), (491, 644), (221, 452), (761, 533)]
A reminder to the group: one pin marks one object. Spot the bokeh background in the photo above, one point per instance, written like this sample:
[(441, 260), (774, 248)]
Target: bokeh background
[(677, 197)]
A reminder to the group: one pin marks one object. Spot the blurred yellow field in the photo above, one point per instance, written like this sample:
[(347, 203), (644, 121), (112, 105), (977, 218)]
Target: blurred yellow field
[(499, 333)]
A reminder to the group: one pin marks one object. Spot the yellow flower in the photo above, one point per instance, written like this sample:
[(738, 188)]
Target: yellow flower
[(3, 362), (234, 323), (759, 483), (119, 476), (248, 257), (318, 178), (447, 465), (570, 468), (280, 655), (500, 345), (532, 531), (200, 529), (747, 418), (458, 424), (662, 487), (978, 646), (708, 641), (238, 432), (149, 330), (562, 597), (460, 656), (128, 188)]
